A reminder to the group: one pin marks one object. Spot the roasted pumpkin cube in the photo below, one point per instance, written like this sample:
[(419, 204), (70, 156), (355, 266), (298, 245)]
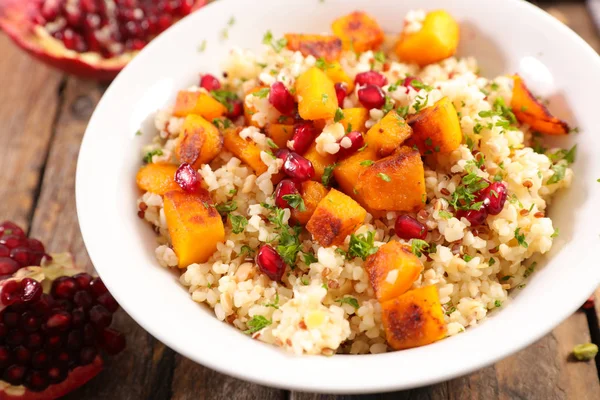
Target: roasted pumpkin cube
[(414, 319), (355, 119), (436, 129), (436, 40), (347, 171), (358, 31), (319, 162), (335, 217), (200, 142), (392, 270), (198, 103), (280, 133), (316, 95), (194, 225), (394, 183), (336, 73), (532, 112), (388, 134), (249, 111), (312, 193), (157, 178), (245, 150), (328, 47)]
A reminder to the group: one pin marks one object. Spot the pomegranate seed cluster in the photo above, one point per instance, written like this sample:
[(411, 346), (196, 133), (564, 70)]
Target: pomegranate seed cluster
[(17, 250)]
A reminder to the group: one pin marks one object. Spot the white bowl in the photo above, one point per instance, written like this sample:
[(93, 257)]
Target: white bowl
[(508, 36)]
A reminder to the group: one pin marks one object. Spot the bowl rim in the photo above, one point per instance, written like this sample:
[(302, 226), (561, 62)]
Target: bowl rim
[(251, 374)]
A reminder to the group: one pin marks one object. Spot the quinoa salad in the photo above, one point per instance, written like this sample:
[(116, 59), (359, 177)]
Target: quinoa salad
[(353, 192)]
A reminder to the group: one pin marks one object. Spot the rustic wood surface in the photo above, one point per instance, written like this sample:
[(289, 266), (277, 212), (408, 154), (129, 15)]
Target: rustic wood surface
[(43, 115)]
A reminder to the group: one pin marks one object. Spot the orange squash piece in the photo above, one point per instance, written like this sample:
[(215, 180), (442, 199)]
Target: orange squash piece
[(198, 103), (328, 47), (280, 133), (200, 142), (157, 178), (318, 161), (436, 129), (436, 40), (530, 111), (355, 119), (316, 95), (194, 225), (312, 193), (347, 171), (245, 150), (336, 73), (394, 183), (358, 31), (392, 270), (388, 134), (335, 217), (414, 319)]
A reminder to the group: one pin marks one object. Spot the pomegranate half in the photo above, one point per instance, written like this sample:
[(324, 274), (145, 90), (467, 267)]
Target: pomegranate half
[(91, 39)]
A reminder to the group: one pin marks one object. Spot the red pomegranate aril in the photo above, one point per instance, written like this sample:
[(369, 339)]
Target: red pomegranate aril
[(22, 255), (285, 187), (63, 305), (371, 96), (14, 338), (97, 287), (54, 343), (43, 305), (89, 335), (11, 319), (408, 82), (113, 341), (304, 136), (282, 154), (3, 331), (281, 99), (407, 228), (370, 78), (108, 301), (475, 217), (64, 287), (10, 291), (188, 178), (36, 381), (57, 373), (237, 109), (270, 263), (350, 143), (78, 318), (34, 341), (30, 322), (31, 290), (83, 280), (100, 317), (4, 251), (12, 241), (10, 228), (59, 321), (341, 91), (74, 340), (5, 357), (209, 82), (22, 355), (87, 355), (15, 374), (83, 299), (298, 168), (494, 197), (35, 245)]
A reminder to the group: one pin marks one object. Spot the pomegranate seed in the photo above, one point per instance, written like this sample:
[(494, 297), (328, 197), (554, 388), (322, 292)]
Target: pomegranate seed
[(12, 241), (475, 217), (341, 91), (3, 331), (57, 374), (30, 322), (237, 109), (97, 287), (87, 355), (100, 317), (210, 82), (43, 305), (282, 154), (371, 96), (64, 287), (89, 335), (188, 178), (11, 319), (22, 255), (186, 7), (15, 374), (54, 343), (285, 187), (494, 197), (34, 341), (59, 321), (5, 357), (10, 228), (74, 340), (83, 280), (78, 317), (35, 245), (8, 266), (304, 136), (113, 341), (350, 143), (36, 381), (270, 263), (4, 251), (15, 338), (370, 78), (298, 168), (108, 302), (22, 355), (164, 21), (63, 305), (10, 291), (83, 299), (281, 98), (407, 228), (31, 290)]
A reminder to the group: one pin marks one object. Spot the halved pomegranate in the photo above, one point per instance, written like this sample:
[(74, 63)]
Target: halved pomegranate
[(89, 38), (54, 325)]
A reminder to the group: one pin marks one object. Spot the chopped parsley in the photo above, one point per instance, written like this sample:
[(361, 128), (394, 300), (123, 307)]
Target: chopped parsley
[(420, 103), (305, 281), (233, 192), (385, 177), (388, 105), (277, 45), (257, 323), (477, 128), (227, 207), (492, 261), (246, 250), (467, 258), (309, 258), (363, 148), (379, 56), (262, 93), (324, 98), (231, 21), (464, 195), (274, 304), (321, 63), (417, 84), (348, 300), (202, 46), (327, 174), (224, 97), (417, 246), (288, 245), (505, 278), (555, 233), (339, 115), (367, 163), (520, 238), (497, 304), (272, 144), (138, 133), (150, 154), (559, 173), (402, 111), (238, 223), (443, 214), (529, 270), (295, 201), (222, 123), (362, 245), (563, 154), (450, 309)]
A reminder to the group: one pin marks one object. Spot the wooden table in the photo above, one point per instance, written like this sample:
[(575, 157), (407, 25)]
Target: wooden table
[(43, 115)]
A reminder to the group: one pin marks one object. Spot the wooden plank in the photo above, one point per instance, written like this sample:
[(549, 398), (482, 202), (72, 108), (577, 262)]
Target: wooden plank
[(29, 96)]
